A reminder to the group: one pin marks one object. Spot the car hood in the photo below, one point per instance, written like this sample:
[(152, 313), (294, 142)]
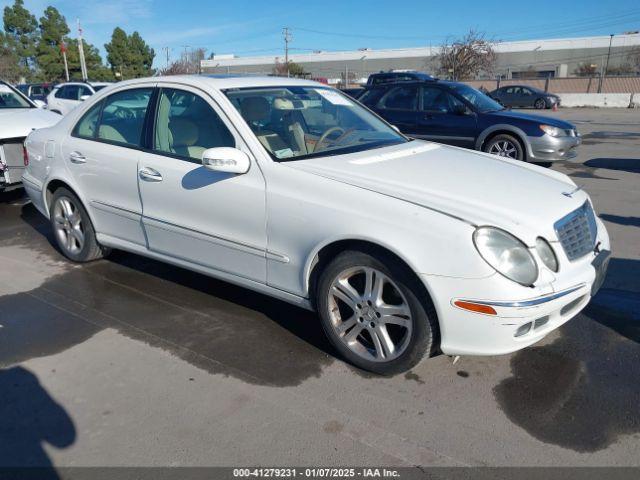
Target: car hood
[(19, 122), (473, 187), (506, 115)]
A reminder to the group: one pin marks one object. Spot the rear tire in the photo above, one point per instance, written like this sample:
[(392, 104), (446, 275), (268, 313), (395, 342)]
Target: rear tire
[(72, 228), (376, 313)]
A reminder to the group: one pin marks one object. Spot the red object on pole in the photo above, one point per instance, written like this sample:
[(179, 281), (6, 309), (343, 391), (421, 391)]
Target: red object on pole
[(555, 107), (63, 47)]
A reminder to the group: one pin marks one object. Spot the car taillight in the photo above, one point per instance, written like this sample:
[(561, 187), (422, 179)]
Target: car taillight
[(25, 156)]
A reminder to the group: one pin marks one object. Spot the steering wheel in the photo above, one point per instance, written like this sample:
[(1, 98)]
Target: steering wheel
[(324, 136)]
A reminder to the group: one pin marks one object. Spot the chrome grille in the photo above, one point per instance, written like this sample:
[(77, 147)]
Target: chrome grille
[(577, 232)]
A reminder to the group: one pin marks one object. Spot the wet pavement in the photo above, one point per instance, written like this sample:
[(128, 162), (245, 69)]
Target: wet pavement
[(128, 361)]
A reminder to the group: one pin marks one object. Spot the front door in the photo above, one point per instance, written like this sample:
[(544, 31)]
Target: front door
[(445, 119), (211, 219), (102, 154), (399, 107)]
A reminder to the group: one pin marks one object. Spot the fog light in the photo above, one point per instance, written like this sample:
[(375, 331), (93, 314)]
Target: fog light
[(524, 329)]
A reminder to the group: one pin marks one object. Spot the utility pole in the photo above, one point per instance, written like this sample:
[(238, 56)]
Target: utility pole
[(83, 65), (166, 51), (63, 49), (186, 56), (287, 39)]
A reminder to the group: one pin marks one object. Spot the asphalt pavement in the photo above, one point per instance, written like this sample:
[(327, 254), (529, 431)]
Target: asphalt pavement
[(130, 362)]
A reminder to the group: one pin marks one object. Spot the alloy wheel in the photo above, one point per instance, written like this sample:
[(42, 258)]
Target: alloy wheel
[(504, 148), (369, 314), (68, 226)]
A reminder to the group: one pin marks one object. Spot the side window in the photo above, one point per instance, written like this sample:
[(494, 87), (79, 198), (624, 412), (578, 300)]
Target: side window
[(510, 90), (186, 125), (37, 90), (84, 91), (434, 98), (526, 91), (123, 116), (401, 98), (61, 92), (88, 124)]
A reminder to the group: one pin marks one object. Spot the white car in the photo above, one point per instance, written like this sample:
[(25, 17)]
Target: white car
[(290, 188), (18, 117), (67, 96)]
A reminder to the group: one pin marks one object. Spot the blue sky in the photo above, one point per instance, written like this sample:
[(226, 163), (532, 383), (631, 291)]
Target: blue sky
[(254, 27)]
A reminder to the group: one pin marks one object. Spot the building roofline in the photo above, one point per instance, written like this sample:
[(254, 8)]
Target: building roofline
[(622, 40)]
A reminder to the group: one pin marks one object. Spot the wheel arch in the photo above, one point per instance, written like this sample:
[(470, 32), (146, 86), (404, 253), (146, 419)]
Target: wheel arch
[(504, 129), (54, 184)]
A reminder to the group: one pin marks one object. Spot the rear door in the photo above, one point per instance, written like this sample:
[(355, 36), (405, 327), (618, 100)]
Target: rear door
[(399, 107), (102, 154)]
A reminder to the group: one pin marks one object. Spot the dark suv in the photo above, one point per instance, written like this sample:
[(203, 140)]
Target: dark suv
[(454, 113)]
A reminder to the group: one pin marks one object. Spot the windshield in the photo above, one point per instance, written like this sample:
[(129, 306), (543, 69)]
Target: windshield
[(302, 122), (482, 102), (10, 98)]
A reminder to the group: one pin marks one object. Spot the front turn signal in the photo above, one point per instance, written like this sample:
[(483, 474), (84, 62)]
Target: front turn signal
[(475, 307)]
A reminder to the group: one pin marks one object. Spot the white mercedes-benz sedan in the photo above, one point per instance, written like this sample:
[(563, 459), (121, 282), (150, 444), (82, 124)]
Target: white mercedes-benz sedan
[(290, 188)]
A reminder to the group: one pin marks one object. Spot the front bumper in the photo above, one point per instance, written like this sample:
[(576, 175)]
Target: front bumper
[(543, 307), (552, 149)]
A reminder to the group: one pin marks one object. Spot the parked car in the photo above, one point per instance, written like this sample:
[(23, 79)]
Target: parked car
[(67, 96), (397, 76), (19, 115), (455, 113), (525, 96), (35, 91), (353, 92), (292, 189)]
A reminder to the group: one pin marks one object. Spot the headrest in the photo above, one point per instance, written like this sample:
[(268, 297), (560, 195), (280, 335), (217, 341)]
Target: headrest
[(286, 104), (184, 132), (255, 109)]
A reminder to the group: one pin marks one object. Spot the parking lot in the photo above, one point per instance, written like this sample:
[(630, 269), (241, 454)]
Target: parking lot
[(130, 362)]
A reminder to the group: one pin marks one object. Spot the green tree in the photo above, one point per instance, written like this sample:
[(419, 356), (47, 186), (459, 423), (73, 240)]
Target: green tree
[(10, 68), (53, 31), (128, 55), (22, 29)]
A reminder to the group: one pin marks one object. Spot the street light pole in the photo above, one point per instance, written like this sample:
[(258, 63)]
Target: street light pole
[(606, 67)]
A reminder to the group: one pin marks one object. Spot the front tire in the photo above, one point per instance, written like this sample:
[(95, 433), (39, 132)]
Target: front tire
[(72, 228), (540, 104), (505, 146), (376, 313)]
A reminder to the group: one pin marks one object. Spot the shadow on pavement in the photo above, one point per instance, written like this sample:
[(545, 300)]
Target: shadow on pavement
[(30, 417), (619, 164), (629, 221)]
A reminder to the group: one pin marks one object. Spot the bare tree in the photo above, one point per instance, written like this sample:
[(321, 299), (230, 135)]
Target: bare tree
[(468, 57), (189, 62), (586, 70), (295, 69)]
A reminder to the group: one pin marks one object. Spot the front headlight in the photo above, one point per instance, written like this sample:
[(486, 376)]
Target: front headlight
[(547, 255), (508, 255), (552, 131)]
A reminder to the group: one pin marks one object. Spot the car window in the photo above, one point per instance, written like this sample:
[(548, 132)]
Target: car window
[(61, 92), (434, 99), (401, 98), (10, 98), (526, 91), (123, 116), (37, 90), (186, 125), (296, 122), (87, 126), (83, 90)]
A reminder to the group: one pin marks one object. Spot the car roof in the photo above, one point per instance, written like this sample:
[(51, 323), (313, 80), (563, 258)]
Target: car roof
[(224, 82)]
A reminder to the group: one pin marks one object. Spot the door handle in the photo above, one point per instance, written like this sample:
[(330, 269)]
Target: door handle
[(77, 157), (150, 175)]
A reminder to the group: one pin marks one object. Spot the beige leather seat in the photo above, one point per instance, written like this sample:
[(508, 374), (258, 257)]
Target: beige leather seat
[(184, 136), (256, 110), (107, 132)]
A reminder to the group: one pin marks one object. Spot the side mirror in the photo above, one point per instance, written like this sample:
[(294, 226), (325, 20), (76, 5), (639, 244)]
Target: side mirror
[(40, 104), (226, 159), (84, 97)]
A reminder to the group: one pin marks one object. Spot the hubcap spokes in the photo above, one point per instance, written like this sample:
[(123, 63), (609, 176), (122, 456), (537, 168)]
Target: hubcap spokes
[(504, 149), (68, 226), (370, 314)]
